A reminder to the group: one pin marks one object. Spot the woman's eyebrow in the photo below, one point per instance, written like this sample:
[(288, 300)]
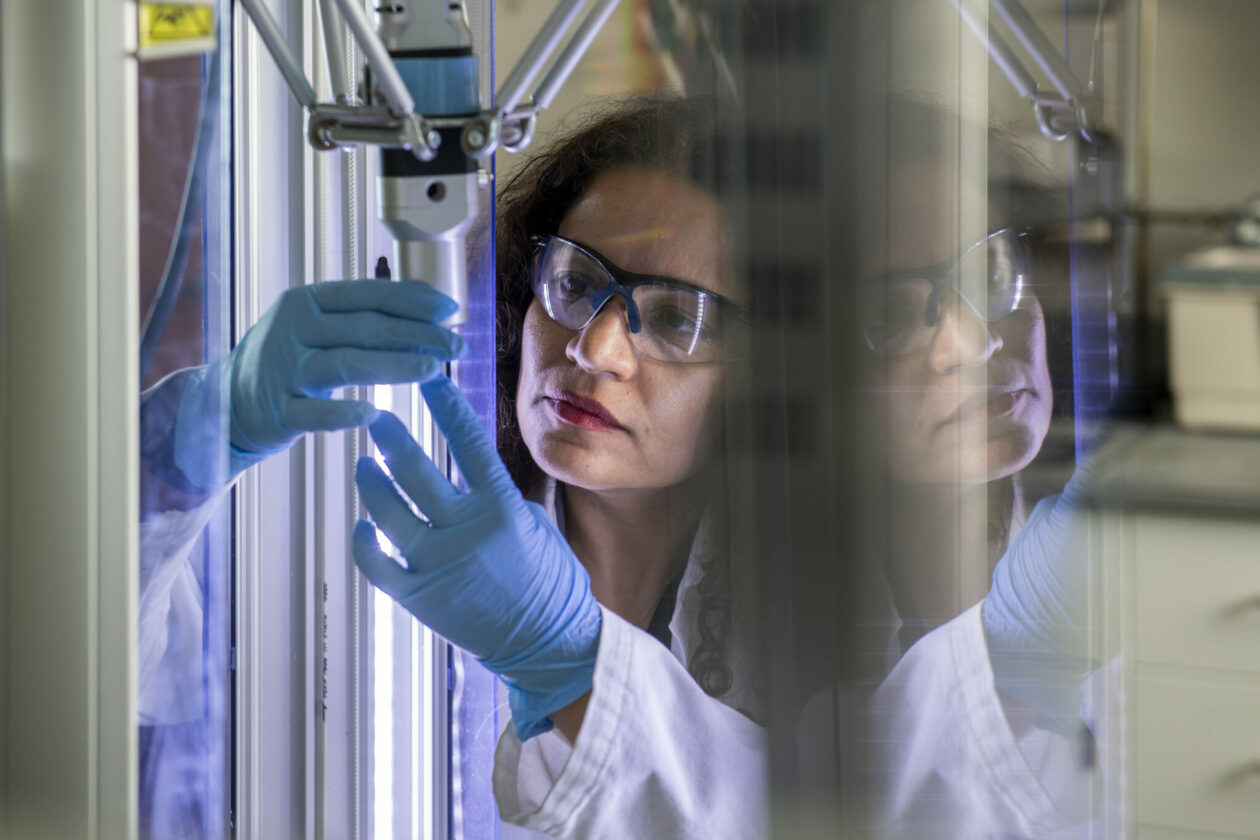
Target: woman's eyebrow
[(637, 236)]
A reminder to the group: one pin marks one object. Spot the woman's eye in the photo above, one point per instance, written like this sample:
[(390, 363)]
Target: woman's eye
[(683, 326), (892, 323), (571, 285), (671, 318), (1001, 276), (904, 305)]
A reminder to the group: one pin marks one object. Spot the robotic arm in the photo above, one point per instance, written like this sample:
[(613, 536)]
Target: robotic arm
[(1069, 108), (417, 100)]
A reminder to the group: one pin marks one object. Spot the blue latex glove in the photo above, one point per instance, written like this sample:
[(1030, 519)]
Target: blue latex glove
[(1037, 616), (488, 571), (281, 375)]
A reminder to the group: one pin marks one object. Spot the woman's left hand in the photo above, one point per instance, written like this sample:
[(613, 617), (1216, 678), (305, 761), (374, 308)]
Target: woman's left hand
[(1037, 616), (488, 570)]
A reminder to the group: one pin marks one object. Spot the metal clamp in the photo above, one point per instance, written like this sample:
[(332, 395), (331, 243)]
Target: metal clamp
[(341, 126)]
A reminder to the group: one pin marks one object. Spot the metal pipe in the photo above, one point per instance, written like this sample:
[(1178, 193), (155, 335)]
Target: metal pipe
[(335, 51), (537, 54), (289, 66), (573, 52), (1042, 51), (392, 85), (1006, 60)]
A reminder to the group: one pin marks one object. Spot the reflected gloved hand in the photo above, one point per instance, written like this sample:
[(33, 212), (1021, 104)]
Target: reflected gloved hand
[(1037, 615), (281, 375), (488, 571)]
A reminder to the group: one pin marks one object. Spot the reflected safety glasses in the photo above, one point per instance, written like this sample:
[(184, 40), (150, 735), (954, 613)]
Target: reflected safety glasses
[(991, 277), (669, 320)]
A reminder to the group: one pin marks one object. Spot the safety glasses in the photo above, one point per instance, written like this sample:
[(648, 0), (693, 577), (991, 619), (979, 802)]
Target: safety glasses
[(669, 320), (991, 277)]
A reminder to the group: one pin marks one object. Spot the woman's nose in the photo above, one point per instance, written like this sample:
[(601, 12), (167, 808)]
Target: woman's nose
[(961, 338), (603, 345)]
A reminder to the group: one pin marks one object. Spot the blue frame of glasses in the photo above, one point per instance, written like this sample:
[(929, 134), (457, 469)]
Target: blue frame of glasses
[(624, 283)]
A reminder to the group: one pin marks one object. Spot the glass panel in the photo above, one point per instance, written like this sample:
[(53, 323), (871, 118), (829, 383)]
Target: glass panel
[(938, 274), (185, 626), (879, 576)]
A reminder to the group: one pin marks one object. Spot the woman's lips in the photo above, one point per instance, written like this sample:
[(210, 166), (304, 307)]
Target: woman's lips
[(1003, 403), (991, 404), (583, 412)]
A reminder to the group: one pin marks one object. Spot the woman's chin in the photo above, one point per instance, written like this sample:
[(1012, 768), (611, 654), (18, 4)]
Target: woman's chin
[(1011, 453), (978, 463)]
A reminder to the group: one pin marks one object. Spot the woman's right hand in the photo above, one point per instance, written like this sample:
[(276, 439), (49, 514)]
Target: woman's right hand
[(485, 569), (277, 383), (324, 336)]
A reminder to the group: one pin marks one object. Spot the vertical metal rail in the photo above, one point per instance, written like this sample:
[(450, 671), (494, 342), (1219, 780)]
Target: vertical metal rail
[(274, 733), (247, 541), (327, 512)]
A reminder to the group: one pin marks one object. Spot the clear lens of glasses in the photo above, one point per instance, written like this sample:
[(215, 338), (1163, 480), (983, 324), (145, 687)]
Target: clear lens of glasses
[(667, 322), (993, 272)]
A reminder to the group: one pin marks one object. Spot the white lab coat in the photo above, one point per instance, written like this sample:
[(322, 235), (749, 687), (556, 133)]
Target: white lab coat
[(658, 758), (170, 671)]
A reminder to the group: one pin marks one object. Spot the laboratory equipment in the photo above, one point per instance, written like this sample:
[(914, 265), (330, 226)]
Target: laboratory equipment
[(1214, 337), (419, 106)]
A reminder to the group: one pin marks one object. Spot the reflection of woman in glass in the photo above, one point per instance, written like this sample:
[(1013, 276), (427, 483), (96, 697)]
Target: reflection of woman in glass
[(957, 336), (961, 366)]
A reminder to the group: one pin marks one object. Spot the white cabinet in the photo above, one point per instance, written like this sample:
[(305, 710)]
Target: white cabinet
[(1181, 515)]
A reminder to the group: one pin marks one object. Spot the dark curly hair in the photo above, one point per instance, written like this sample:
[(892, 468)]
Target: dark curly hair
[(668, 133)]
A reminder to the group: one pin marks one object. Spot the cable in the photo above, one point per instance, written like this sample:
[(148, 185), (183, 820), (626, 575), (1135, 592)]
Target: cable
[(173, 273)]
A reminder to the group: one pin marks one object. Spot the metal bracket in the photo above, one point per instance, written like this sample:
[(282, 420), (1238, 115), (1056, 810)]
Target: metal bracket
[(345, 126)]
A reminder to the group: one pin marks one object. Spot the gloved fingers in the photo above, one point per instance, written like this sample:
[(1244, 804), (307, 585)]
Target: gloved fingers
[(418, 476), (323, 370), (473, 449), (377, 331), (392, 514), (377, 566), (310, 414), (417, 301)]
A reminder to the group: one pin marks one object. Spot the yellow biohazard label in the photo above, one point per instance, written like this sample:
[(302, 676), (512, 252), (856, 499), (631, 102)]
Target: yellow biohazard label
[(176, 25)]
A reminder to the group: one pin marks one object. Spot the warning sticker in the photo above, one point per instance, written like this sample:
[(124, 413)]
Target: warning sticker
[(168, 29)]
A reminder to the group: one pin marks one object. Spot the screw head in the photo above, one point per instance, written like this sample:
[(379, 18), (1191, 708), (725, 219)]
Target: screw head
[(476, 138), (433, 138)]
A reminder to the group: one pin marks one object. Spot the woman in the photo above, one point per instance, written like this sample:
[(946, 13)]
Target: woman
[(613, 431), (634, 186)]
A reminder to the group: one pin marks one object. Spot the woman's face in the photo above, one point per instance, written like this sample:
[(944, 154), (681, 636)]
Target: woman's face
[(969, 401), (593, 412)]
